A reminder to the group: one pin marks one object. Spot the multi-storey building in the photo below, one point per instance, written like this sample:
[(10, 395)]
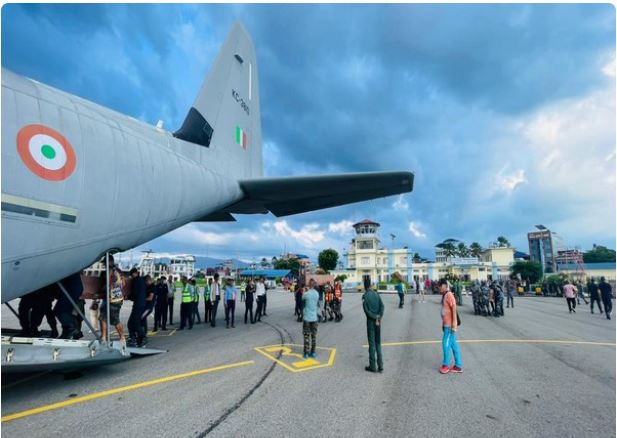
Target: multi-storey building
[(368, 258), (542, 249)]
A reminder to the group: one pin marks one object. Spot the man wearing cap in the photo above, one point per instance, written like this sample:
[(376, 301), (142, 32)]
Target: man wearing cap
[(373, 309)]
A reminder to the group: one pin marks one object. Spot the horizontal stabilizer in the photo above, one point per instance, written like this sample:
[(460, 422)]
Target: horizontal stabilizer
[(291, 195), (219, 216)]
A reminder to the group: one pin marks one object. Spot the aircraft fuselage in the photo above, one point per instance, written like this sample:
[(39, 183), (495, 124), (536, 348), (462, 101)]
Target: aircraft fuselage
[(116, 184)]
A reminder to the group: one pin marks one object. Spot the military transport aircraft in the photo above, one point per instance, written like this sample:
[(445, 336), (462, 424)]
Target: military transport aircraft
[(79, 180)]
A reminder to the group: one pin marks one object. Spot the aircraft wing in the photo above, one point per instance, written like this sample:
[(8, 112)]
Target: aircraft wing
[(285, 196)]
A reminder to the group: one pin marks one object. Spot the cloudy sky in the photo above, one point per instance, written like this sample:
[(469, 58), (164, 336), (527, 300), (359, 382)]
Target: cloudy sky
[(505, 113)]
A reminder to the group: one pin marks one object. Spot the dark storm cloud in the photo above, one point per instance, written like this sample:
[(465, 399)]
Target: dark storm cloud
[(450, 92)]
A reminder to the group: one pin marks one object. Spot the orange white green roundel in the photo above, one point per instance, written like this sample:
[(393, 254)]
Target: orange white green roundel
[(46, 152)]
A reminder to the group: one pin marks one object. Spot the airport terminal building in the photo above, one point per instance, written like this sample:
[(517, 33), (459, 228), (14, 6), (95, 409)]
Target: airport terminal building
[(368, 258)]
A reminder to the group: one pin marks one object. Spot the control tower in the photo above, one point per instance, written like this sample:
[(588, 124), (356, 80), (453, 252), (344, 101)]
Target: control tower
[(366, 235)]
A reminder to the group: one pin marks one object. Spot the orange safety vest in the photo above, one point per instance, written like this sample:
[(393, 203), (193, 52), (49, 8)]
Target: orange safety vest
[(328, 295), (338, 293)]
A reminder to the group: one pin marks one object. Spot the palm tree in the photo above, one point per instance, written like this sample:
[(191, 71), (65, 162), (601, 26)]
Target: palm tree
[(503, 242), (475, 249), (449, 249), (462, 250)]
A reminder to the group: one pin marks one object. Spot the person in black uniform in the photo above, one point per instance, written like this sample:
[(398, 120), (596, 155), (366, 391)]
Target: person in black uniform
[(594, 296), (171, 287), (208, 301), (299, 302), (265, 301), (43, 309), (149, 307), (138, 295), (606, 291), (160, 311), (64, 309), (24, 310), (248, 301)]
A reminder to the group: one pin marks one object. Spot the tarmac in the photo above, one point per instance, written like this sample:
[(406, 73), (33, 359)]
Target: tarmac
[(538, 371)]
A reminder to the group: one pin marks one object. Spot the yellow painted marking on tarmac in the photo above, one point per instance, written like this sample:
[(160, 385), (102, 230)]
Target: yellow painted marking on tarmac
[(305, 363), (501, 341), (121, 389), (296, 366), (173, 332)]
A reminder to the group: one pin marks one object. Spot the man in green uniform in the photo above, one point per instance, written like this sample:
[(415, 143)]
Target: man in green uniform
[(373, 308), (458, 292)]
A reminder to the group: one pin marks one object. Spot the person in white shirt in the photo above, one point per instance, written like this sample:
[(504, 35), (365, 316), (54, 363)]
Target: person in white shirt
[(260, 291), (215, 297), (421, 289)]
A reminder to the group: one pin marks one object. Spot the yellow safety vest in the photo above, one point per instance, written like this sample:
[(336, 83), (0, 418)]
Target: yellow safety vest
[(187, 297)]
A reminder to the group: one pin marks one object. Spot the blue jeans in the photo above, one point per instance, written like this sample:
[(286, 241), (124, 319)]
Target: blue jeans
[(449, 343)]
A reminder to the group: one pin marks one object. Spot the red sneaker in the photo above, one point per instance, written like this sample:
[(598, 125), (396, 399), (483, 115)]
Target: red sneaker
[(456, 369), (444, 369)]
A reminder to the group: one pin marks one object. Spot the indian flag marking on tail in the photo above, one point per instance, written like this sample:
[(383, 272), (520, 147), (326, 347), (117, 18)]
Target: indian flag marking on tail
[(241, 138), (46, 152)]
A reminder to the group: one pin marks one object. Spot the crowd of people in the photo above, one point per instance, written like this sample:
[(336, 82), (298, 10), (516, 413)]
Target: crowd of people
[(314, 304), (599, 293), (330, 301), (488, 296), (148, 295)]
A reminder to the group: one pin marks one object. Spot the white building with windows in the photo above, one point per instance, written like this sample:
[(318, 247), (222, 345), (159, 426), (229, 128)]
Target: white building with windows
[(368, 258)]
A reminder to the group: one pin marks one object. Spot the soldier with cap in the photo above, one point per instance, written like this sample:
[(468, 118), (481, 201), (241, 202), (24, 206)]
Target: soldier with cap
[(373, 309)]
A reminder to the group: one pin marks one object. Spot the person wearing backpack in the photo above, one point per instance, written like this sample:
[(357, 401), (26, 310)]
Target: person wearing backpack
[(450, 323), (116, 284)]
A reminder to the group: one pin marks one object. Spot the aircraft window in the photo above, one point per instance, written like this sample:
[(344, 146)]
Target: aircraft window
[(195, 129)]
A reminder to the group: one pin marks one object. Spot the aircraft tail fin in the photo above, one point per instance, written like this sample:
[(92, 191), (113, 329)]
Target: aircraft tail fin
[(225, 116)]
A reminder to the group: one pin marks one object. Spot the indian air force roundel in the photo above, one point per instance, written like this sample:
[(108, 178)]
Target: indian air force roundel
[(46, 152)]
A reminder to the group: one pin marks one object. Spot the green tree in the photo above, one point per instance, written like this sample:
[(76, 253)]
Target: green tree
[(502, 242), (599, 254), (449, 249), (475, 249), (417, 258), (341, 278), (554, 279), (264, 263), (530, 271), (327, 259), (291, 264), (462, 250)]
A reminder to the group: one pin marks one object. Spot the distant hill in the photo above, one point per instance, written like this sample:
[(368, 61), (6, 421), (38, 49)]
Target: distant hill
[(210, 262), (201, 262)]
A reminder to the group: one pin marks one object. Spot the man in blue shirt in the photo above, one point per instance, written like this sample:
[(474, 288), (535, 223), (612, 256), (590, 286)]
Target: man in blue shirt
[(230, 302), (309, 329)]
